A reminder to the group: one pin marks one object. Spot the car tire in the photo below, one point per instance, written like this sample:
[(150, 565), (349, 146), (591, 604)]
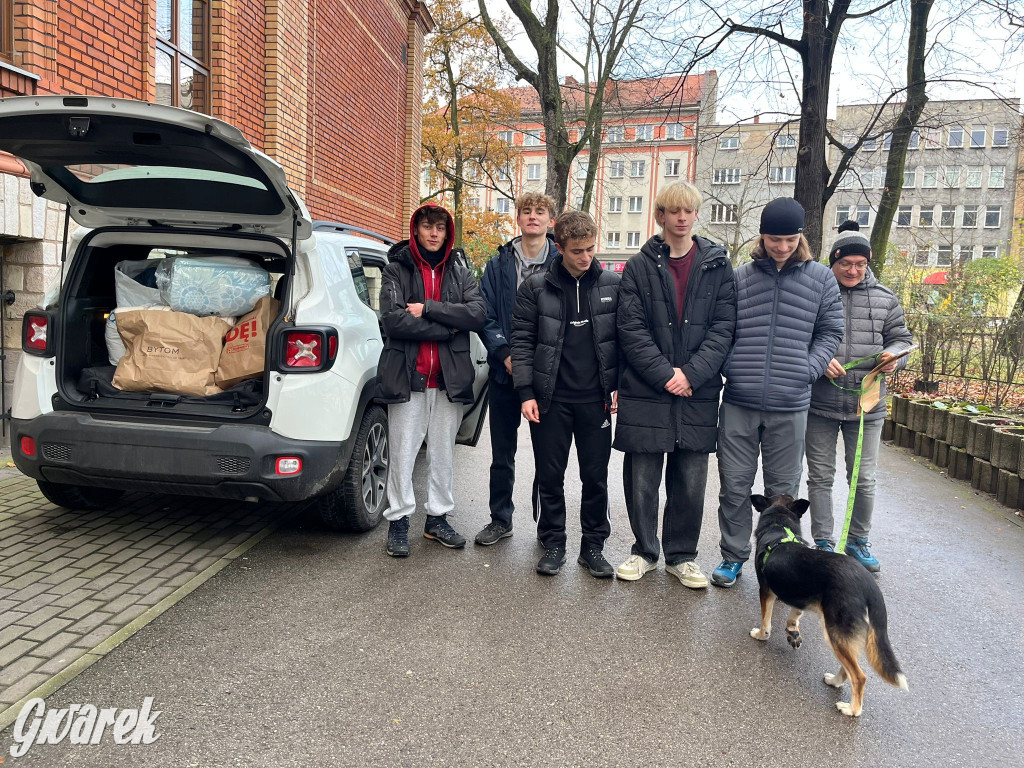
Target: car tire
[(78, 496), (358, 504)]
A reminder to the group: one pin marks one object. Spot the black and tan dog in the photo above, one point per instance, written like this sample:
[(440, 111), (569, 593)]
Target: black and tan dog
[(835, 586)]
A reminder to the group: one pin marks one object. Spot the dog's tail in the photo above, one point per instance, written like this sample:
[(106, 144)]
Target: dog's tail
[(879, 651)]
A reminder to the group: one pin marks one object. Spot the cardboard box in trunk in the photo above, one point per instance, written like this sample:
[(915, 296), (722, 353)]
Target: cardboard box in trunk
[(245, 346)]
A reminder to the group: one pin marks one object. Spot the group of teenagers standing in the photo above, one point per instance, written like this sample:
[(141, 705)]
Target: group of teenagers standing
[(570, 344)]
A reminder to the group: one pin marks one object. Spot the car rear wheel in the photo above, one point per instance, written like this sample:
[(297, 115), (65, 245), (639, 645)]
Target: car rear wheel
[(79, 496), (359, 503)]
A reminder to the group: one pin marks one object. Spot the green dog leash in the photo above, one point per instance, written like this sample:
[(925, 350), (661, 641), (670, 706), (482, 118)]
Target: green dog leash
[(841, 547)]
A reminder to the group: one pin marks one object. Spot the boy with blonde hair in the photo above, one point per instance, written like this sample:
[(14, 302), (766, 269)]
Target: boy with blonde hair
[(676, 319), (515, 261)]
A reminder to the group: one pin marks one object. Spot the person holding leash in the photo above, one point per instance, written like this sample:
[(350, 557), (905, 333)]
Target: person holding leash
[(875, 331)]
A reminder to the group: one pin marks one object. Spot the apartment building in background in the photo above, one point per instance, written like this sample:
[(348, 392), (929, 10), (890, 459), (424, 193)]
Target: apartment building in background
[(331, 90)]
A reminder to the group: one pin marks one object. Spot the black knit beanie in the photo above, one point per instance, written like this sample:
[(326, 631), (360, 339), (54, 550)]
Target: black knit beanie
[(850, 242), (782, 217)]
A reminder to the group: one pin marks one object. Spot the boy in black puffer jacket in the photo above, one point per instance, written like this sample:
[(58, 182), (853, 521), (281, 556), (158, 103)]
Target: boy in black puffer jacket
[(565, 368)]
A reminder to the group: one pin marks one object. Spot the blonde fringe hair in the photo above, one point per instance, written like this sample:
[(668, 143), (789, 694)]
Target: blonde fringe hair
[(574, 225), (679, 195), (536, 200), (802, 252)]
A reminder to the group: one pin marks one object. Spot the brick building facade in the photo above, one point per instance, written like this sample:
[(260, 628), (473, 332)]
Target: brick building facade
[(331, 89)]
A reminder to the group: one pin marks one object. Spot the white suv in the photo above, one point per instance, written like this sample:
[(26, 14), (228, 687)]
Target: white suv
[(145, 181)]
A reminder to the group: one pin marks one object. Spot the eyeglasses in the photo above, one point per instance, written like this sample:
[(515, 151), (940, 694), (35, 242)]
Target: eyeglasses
[(849, 266)]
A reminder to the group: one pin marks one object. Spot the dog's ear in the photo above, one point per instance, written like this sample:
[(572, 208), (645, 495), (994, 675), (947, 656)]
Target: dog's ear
[(760, 502), (799, 506)]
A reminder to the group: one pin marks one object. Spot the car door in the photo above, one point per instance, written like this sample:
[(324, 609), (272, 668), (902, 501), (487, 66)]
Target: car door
[(372, 262)]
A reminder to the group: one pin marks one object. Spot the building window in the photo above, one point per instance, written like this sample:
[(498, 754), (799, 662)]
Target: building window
[(504, 205), (932, 138), (723, 214), (474, 204), (909, 178), (915, 139), (182, 54), (944, 256), (842, 214), (636, 204), (617, 169), (726, 176), (978, 133), (974, 176), (970, 217), (928, 178), (849, 139), (644, 132), (614, 239), (677, 131), (947, 214), (922, 256), (729, 142), (993, 214), (632, 239), (926, 217), (783, 175), (952, 176), (582, 168), (996, 175), (506, 136), (887, 142), (531, 139), (866, 176), (965, 254), (1000, 136), (870, 144), (671, 167), (904, 214), (615, 205), (533, 171), (615, 133), (637, 168), (578, 205), (955, 137), (989, 251), (785, 140), (863, 214)]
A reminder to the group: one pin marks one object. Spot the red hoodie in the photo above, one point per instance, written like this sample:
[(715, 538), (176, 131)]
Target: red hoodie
[(427, 360)]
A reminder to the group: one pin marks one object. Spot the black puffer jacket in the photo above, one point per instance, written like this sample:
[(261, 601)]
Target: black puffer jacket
[(538, 329), (460, 311), (652, 343)]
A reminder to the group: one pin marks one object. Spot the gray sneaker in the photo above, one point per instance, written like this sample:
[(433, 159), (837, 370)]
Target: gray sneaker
[(438, 529), (492, 533)]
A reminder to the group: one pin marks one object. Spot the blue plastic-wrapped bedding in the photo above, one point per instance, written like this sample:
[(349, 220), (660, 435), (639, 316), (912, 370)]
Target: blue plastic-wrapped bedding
[(223, 286)]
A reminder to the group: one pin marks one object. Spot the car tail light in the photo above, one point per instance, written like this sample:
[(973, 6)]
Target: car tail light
[(28, 446), (305, 350), (36, 333), (288, 465), (332, 347)]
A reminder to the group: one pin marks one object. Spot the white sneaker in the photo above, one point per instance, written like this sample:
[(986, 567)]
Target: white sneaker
[(634, 568), (688, 573)]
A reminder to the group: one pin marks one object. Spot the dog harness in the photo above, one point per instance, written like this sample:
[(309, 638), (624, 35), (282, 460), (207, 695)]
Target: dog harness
[(789, 538)]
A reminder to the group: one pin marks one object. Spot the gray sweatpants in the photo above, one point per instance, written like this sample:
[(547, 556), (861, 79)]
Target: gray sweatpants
[(427, 414), (744, 433), (821, 472)]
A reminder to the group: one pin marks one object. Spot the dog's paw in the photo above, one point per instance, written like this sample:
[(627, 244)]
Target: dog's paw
[(794, 638), (757, 634), (834, 680), (846, 709)]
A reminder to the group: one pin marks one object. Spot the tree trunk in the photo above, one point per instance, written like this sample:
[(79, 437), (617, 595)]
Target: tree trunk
[(917, 51)]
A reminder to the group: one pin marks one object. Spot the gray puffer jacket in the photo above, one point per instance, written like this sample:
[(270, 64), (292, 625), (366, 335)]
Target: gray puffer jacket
[(788, 326), (874, 324)]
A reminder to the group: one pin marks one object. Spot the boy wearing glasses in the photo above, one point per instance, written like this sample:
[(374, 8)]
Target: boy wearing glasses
[(874, 327)]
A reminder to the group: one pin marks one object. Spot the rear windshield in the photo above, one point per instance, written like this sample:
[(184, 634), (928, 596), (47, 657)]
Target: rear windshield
[(99, 174)]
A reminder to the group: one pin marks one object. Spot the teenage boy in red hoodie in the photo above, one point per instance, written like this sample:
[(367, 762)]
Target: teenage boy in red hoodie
[(429, 303)]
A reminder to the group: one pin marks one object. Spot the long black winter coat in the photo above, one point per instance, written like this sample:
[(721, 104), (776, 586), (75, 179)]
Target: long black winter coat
[(652, 342), (448, 322), (538, 330)]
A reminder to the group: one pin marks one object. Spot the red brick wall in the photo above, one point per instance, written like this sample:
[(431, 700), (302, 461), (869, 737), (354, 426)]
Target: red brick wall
[(95, 50)]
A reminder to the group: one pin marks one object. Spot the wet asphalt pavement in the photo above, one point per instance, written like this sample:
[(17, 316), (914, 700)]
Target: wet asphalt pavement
[(316, 649)]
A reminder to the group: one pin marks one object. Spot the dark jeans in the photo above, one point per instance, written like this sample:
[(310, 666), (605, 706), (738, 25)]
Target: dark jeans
[(685, 478), (504, 415), (590, 425)]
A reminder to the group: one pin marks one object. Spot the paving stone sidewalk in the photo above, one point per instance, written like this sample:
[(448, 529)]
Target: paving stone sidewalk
[(74, 584)]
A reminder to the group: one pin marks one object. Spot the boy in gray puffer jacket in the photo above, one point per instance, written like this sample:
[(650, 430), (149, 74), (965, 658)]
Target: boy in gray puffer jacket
[(875, 327)]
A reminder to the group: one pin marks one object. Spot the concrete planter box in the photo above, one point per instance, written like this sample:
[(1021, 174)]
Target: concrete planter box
[(937, 419), (980, 431), (960, 464), (956, 428), (983, 476), (904, 437), (940, 455), (1006, 447), (888, 430), (899, 409), (924, 445), (919, 413), (1010, 489)]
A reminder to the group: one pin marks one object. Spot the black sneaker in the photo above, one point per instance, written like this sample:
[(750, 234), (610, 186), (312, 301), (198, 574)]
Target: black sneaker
[(593, 560), (492, 533), (398, 537), (552, 561), (437, 528)]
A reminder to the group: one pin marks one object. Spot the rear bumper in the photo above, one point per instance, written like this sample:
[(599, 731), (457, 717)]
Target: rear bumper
[(222, 461)]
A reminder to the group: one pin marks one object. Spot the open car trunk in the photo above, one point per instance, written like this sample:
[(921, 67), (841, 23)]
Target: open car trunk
[(84, 371)]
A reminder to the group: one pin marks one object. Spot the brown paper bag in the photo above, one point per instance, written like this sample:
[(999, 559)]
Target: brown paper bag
[(245, 345), (169, 352)]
